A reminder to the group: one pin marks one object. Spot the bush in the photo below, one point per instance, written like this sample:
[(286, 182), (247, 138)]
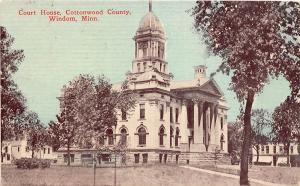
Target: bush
[(263, 163), (283, 165), (32, 163)]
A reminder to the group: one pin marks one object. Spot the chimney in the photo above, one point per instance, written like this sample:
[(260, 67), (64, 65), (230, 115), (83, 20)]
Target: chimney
[(199, 72)]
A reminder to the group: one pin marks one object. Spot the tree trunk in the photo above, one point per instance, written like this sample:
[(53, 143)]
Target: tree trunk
[(68, 151), (246, 141), (257, 153)]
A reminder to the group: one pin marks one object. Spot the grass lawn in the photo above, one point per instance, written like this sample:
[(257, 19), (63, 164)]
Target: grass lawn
[(139, 176), (281, 175)]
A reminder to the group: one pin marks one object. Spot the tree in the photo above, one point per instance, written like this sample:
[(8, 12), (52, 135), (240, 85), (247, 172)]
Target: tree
[(286, 126), (256, 41), (260, 125), (36, 134), (88, 107), (12, 100), (235, 135)]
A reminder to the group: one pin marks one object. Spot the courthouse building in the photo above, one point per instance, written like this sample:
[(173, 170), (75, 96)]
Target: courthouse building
[(173, 121)]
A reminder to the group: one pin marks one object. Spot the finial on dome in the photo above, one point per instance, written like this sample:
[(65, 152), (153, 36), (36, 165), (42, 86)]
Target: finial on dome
[(150, 5)]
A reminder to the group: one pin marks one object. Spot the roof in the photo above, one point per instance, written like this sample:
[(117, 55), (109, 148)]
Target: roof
[(150, 22), (188, 84)]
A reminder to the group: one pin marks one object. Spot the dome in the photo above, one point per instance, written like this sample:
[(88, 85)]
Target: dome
[(150, 21)]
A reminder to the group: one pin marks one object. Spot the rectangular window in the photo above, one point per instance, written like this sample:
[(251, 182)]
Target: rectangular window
[(145, 66), (44, 150), (6, 149), (267, 149), (262, 148), (138, 67), (171, 114), (110, 140), (145, 158), (124, 114), (274, 149), (142, 111), (18, 149), (136, 158), (176, 115), (281, 149), (161, 111), (71, 158), (222, 123), (292, 149), (8, 157), (48, 150)]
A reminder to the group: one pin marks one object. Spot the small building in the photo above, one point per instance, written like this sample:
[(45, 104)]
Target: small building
[(275, 153), (16, 149)]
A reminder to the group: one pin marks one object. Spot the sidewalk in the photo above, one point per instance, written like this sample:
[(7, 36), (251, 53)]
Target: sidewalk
[(233, 176)]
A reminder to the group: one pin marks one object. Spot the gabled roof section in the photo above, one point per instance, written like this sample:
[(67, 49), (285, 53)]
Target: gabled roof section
[(211, 86)]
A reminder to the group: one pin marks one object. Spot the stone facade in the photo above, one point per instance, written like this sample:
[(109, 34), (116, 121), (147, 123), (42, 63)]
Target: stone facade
[(172, 121)]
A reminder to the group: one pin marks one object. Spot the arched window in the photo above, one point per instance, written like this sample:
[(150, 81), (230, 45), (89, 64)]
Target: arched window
[(176, 137), (222, 141), (142, 136), (123, 136), (161, 136), (171, 136), (110, 136)]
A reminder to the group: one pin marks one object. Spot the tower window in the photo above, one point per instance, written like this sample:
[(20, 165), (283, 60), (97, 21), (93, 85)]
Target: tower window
[(110, 137), (123, 136), (138, 67), (176, 137), (145, 66)]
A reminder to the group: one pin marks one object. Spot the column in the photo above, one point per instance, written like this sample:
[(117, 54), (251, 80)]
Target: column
[(196, 122), (217, 126), (212, 123), (207, 126), (201, 103), (183, 123)]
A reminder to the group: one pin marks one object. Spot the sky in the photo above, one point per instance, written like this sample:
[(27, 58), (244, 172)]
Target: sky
[(56, 52)]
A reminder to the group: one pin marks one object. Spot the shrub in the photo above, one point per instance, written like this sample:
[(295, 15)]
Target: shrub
[(283, 164), (263, 163), (32, 163)]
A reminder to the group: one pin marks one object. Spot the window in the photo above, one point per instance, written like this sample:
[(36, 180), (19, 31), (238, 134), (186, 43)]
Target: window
[(145, 158), (160, 158), (262, 148), (136, 158), (165, 158), (292, 149), (222, 142), (274, 149), (138, 67), (222, 123), (142, 136), (164, 68), (267, 149), (145, 66), (177, 158), (71, 158), (176, 137), (161, 111), (171, 136), (161, 136), (142, 111), (44, 150), (124, 114), (48, 150), (160, 67), (281, 149), (144, 52), (105, 157), (18, 149), (123, 136), (176, 115), (110, 137), (6, 149), (8, 157), (27, 149), (171, 114)]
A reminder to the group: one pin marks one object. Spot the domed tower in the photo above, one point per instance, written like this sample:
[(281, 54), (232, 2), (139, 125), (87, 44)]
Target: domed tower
[(150, 50)]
